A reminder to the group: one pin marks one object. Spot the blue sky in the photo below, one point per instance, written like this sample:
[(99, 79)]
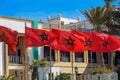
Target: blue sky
[(40, 9)]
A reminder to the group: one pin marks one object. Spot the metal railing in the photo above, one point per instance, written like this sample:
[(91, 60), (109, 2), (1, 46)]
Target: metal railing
[(15, 59), (118, 61), (48, 58), (65, 59), (79, 59), (93, 60)]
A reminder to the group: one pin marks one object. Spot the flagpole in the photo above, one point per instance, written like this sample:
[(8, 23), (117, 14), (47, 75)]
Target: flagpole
[(72, 67), (91, 57), (91, 61), (26, 59), (102, 59), (50, 61), (50, 50)]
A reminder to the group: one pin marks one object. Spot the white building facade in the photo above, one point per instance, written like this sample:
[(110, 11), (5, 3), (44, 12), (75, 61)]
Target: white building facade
[(18, 64), (62, 62)]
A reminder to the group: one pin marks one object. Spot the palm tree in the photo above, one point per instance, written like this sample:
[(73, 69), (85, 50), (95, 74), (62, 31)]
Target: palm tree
[(62, 76), (43, 63), (113, 22), (113, 25), (4, 77), (108, 2), (37, 63), (33, 68), (98, 17)]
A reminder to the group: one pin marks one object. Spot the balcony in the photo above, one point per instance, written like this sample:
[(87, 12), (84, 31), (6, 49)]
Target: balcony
[(118, 61), (15, 59), (48, 58), (93, 60), (65, 59), (79, 60), (105, 61)]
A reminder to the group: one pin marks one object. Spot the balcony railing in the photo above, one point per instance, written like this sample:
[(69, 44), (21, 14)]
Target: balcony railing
[(79, 60), (105, 61), (15, 59), (118, 61), (48, 58), (65, 59), (93, 60)]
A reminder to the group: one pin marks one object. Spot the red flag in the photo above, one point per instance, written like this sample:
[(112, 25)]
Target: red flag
[(118, 49), (66, 41), (37, 37), (9, 36), (105, 43), (114, 42), (87, 38)]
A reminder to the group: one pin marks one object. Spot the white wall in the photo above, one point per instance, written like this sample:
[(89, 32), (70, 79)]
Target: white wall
[(16, 67), (19, 26), (1, 58), (65, 20), (54, 22), (68, 21), (86, 25), (15, 25), (30, 54)]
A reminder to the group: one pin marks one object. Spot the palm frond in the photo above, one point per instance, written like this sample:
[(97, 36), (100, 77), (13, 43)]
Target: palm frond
[(97, 16), (10, 77)]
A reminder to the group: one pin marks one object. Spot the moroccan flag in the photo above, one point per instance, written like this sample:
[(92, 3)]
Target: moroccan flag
[(86, 37), (114, 42), (37, 37), (66, 41), (105, 43), (118, 49), (9, 36)]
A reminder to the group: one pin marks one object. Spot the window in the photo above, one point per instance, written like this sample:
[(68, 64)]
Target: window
[(79, 57), (105, 56), (47, 53), (15, 58), (117, 58), (94, 59), (64, 56)]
